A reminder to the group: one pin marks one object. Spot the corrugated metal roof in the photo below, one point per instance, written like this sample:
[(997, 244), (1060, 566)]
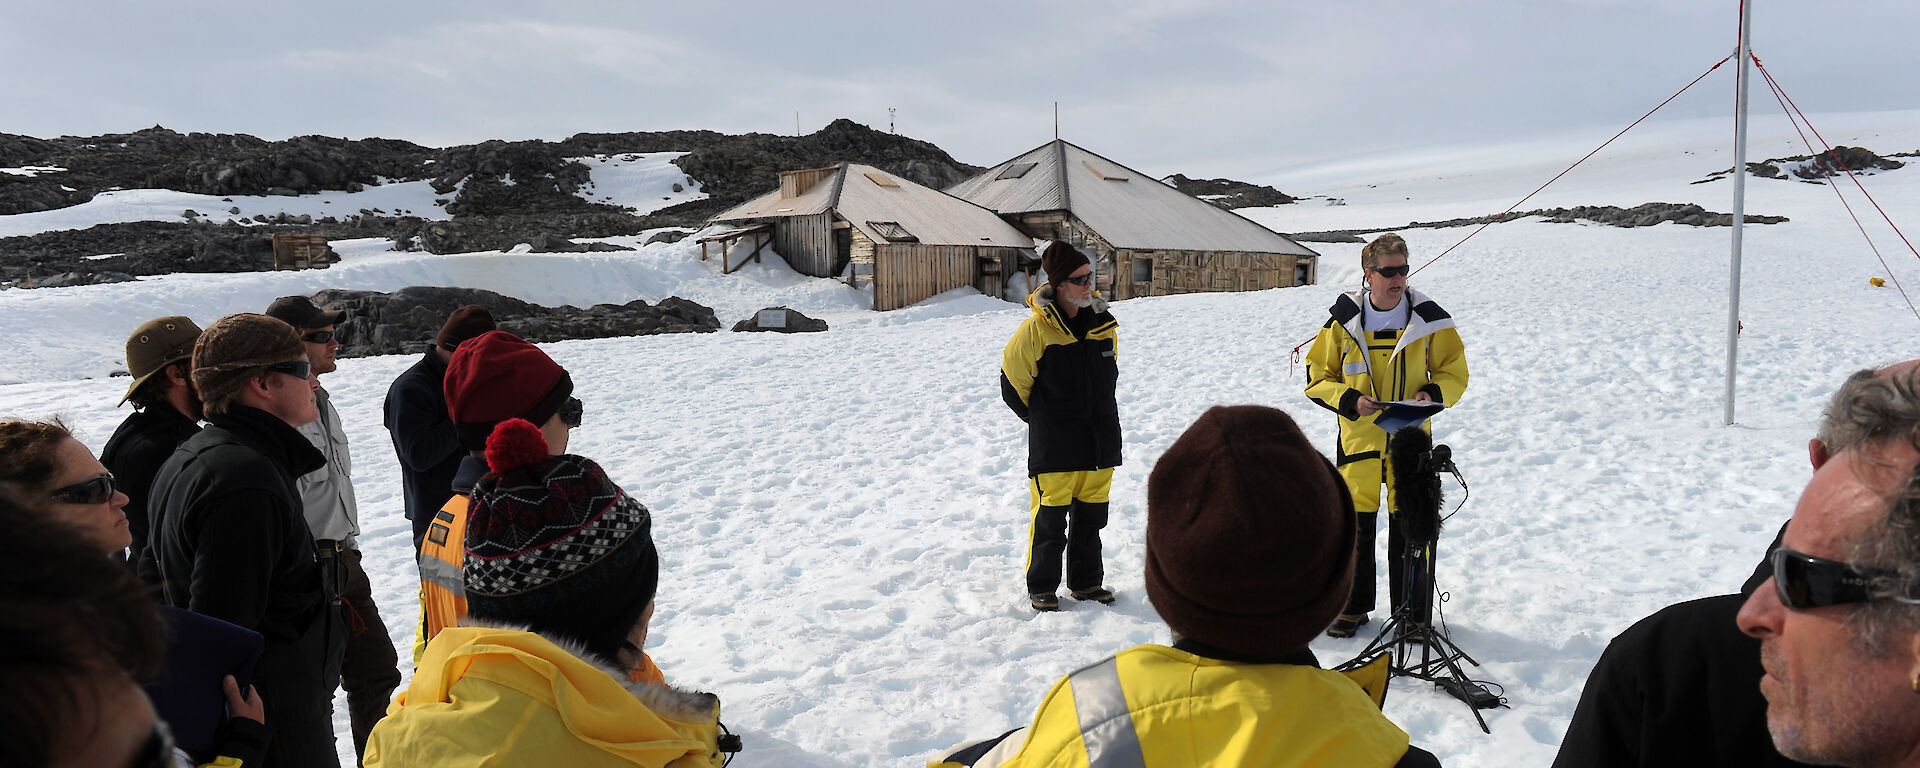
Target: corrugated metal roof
[(931, 216), (1127, 208), (815, 199)]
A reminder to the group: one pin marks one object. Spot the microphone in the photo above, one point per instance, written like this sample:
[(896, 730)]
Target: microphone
[(1417, 465)]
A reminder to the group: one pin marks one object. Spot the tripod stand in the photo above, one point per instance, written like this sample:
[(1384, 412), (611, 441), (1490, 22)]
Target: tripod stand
[(1411, 625), (1417, 464)]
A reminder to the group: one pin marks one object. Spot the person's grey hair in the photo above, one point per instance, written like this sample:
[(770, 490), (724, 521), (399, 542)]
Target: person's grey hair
[(1880, 411), (1835, 433)]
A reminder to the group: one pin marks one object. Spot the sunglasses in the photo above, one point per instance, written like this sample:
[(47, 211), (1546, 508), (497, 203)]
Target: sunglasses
[(299, 369), (97, 490), (1086, 279), (1804, 581), (1391, 272), (571, 411), (318, 337)]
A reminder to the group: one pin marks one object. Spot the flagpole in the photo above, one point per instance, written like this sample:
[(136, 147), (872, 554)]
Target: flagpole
[(1739, 201)]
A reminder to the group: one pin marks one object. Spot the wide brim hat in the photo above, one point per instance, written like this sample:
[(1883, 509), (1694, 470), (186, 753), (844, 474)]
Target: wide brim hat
[(156, 344)]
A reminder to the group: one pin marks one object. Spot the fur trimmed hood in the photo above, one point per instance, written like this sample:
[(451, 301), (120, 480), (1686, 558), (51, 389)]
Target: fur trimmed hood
[(667, 701)]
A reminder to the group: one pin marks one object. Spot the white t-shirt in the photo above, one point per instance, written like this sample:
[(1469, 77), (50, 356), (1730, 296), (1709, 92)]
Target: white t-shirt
[(1394, 319)]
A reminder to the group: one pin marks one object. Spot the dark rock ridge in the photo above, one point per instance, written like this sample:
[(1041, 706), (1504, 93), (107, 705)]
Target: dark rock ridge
[(500, 193), (781, 320), (1815, 168), (1644, 215), (406, 320), (1230, 194)]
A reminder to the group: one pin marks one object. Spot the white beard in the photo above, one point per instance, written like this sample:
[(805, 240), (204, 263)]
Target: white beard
[(1082, 303)]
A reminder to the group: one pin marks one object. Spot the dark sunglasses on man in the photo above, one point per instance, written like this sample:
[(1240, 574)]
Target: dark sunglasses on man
[(95, 490), (1086, 279), (1391, 272), (299, 369), (317, 337), (572, 411), (1804, 581)]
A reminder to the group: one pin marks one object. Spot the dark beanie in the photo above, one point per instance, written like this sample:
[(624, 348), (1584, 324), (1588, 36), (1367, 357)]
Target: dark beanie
[(555, 545), (1060, 260), (1250, 534), (497, 376), (465, 323)]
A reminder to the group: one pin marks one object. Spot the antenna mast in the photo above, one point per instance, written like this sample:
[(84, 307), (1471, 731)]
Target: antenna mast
[(1739, 200)]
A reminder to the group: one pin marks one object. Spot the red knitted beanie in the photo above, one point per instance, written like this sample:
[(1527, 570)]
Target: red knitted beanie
[(1250, 534), (498, 376)]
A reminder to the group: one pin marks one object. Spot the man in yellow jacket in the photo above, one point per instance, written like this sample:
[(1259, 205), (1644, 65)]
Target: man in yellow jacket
[(1058, 374), (1387, 344), (1249, 554)]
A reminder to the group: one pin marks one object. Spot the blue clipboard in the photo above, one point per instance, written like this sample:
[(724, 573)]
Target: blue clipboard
[(1401, 414)]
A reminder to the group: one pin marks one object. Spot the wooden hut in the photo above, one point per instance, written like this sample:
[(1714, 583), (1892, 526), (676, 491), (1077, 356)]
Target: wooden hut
[(292, 251), (869, 227), (1148, 238)]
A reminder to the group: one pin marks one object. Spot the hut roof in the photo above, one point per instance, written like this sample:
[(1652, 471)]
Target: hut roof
[(887, 209), (1128, 209)]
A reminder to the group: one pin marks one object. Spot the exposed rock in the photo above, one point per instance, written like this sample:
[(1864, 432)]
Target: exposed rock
[(1815, 168), (406, 320), (1644, 215), (782, 320), (1230, 194), (668, 236)]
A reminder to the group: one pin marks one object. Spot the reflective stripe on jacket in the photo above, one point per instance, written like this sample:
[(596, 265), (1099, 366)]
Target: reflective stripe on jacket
[(1157, 706), (488, 696), (443, 596), (1063, 386), (1347, 361)]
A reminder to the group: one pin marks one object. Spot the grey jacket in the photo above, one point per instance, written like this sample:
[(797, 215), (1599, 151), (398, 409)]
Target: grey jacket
[(327, 493)]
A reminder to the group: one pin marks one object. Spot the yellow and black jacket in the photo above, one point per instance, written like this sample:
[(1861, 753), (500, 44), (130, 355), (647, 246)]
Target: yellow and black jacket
[(1155, 706), (1388, 365), (1058, 374)]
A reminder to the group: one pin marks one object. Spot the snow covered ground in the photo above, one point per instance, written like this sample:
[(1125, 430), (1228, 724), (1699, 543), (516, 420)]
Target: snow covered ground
[(841, 515)]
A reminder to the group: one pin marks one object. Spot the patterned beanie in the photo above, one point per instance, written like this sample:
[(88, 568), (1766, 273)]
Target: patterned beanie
[(555, 545), (1059, 260), (234, 349), (1250, 534)]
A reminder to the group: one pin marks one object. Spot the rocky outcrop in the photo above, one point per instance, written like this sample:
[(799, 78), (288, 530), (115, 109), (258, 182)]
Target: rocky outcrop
[(406, 320), (1230, 194), (499, 193), (1816, 168), (1644, 215), (781, 320)]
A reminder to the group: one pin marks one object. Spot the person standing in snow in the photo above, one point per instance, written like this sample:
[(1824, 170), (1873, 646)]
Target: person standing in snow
[(159, 355), (371, 669), (417, 420), (1387, 343), (228, 537), (1058, 374), (1249, 553)]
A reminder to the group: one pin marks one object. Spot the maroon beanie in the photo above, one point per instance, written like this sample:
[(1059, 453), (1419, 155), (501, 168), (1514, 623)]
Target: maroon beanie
[(1060, 260), (465, 323), (497, 376), (1250, 534)]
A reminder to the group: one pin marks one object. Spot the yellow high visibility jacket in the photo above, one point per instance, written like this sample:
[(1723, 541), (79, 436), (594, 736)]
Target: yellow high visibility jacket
[(1157, 706), (1063, 385), (1348, 360), (493, 696)]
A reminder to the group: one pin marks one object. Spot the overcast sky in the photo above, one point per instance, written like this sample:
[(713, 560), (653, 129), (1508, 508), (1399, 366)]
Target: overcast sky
[(1203, 87)]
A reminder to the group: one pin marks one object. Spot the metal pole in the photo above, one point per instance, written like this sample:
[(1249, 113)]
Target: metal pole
[(1739, 201)]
